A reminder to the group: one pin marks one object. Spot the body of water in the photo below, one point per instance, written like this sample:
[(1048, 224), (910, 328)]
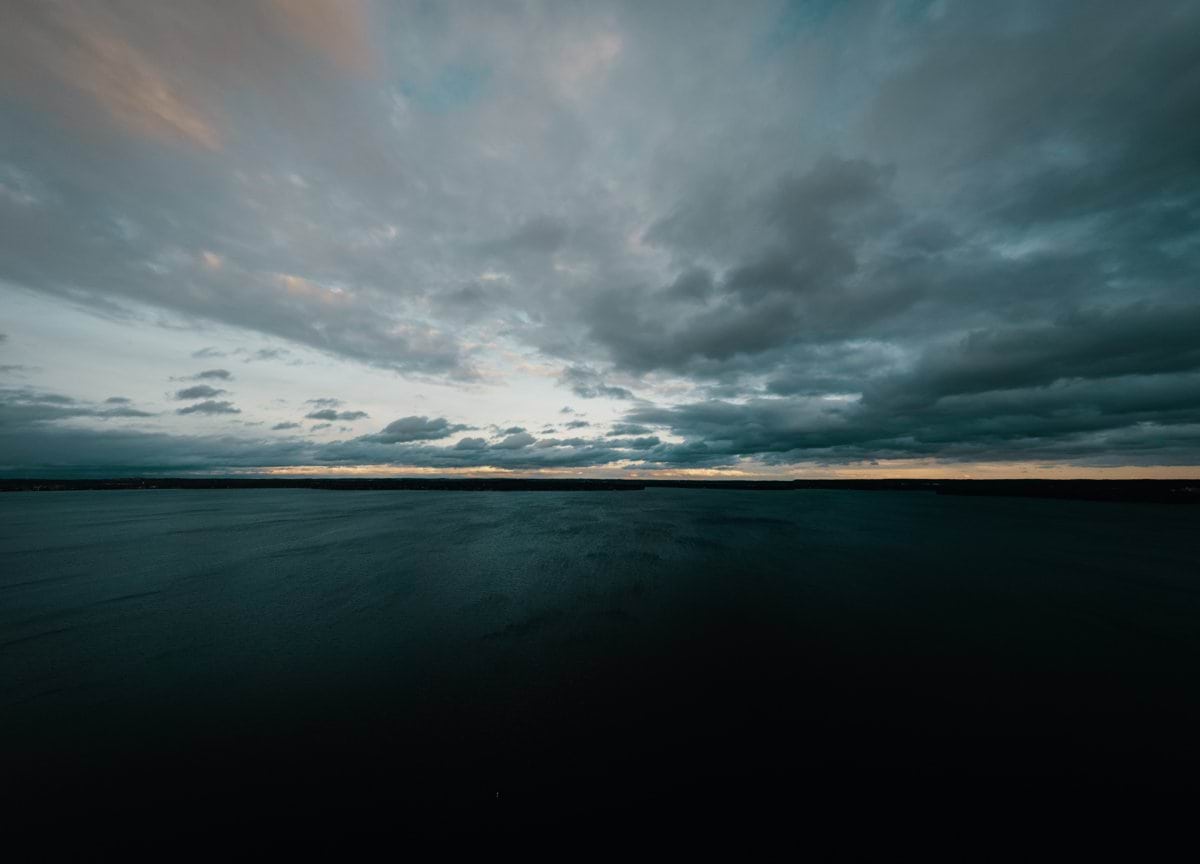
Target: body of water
[(479, 641)]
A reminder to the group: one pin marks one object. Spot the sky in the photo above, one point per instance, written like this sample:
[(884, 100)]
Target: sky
[(770, 238)]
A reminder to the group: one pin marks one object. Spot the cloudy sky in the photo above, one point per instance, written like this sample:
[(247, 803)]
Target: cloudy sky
[(773, 238)]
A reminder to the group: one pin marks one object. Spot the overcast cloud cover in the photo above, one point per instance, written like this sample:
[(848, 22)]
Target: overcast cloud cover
[(772, 237)]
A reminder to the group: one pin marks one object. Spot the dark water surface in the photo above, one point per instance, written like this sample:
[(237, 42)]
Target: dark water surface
[(474, 641)]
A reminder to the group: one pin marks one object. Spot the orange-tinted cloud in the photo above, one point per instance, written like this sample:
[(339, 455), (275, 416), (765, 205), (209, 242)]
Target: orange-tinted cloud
[(336, 29), (165, 70), (138, 94), (53, 54)]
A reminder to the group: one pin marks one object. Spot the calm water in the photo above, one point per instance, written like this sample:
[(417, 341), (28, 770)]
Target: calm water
[(494, 639)]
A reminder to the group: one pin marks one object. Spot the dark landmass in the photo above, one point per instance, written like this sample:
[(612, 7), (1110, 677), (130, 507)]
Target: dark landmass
[(1186, 491)]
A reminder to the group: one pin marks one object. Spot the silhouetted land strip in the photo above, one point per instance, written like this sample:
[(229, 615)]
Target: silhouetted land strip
[(1164, 491)]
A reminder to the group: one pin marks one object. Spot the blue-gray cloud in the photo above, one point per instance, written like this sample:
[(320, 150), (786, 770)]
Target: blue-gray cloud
[(34, 411), (199, 391), (588, 384), (515, 441), (979, 241), (414, 428), (629, 429), (332, 414), (210, 406)]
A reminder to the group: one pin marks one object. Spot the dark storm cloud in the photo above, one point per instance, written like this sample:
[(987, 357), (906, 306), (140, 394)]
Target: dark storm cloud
[(832, 368), (209, 406), (331, 414), (578, 424), (288, 425), (635, 443), (206, 375), (515, 441), (833, 282), (200, 391), (1093, 110), (473, 452), (629, 429), (414, 428), (588, 384), (1088, 343), (796, 275), (756, 426), (1123, 416), (76, 452), (543, 443), (25, 408)]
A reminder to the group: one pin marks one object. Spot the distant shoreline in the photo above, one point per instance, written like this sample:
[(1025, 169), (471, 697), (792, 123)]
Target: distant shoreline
[(1185, 491)]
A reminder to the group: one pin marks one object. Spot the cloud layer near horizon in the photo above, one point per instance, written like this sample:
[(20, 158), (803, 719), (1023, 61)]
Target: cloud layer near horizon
[(766, 234)]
